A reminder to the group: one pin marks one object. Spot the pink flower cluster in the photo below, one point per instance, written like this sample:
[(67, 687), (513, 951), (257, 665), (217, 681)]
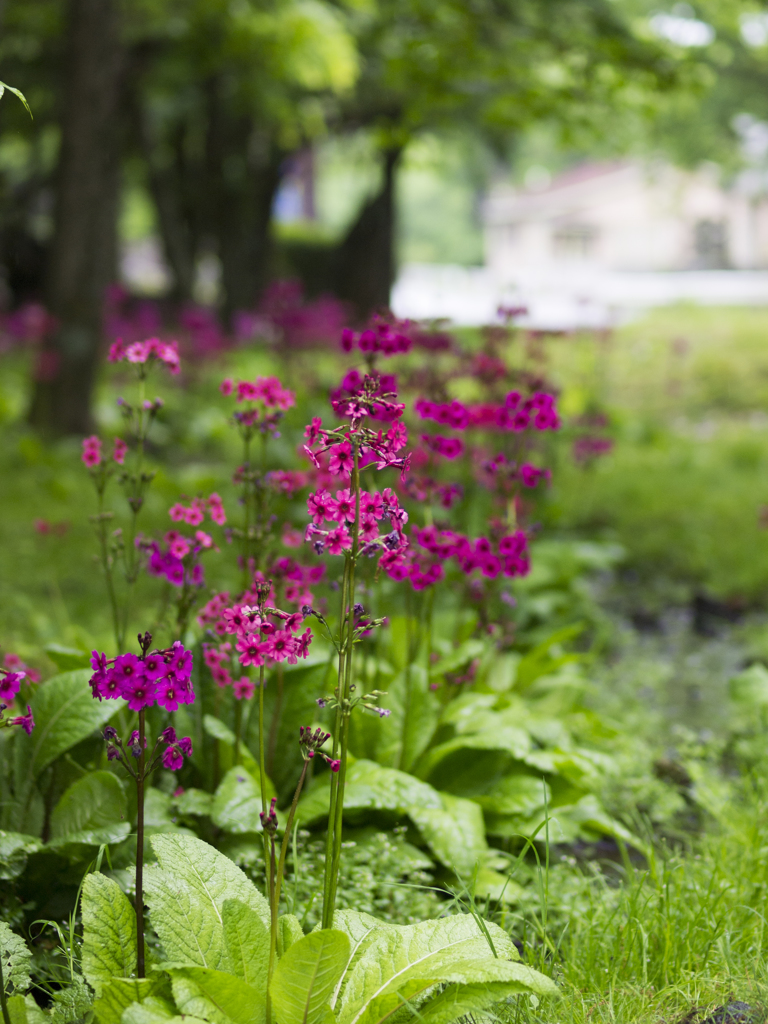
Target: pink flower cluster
[(380, 407), (448, 447), (165, 352), (159, 677), (516, 414), (259, 641), (503, 473), (170, 562), (287, 481), (268, 390), (194, 514), (322, 508), (92, 451), (587, 449), (218, 659), (380, 337), (508, 555)]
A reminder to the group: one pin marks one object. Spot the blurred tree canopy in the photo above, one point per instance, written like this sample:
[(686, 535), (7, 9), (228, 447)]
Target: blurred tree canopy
[(204, 101)]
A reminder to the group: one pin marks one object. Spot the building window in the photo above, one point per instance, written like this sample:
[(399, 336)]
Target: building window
[(574, 241)]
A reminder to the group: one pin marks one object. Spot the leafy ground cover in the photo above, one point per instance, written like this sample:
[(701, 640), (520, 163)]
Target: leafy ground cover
[(526, 762)]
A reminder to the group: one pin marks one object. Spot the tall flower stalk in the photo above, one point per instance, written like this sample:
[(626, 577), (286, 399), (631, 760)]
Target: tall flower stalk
[(134, 478), (341, 452), (161, 677)]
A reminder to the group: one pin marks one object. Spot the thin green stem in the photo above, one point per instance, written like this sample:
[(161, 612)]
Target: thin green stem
[(278, 875), (336, 817), (262, 772), (336, 738), (247, 504), (140, 850)]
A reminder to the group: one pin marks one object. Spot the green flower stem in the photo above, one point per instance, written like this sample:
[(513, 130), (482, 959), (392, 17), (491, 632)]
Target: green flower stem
[(140, 850), (281, 870), (247, 503), (129, 551), (336, 812), (336, 738), (3, 1003), (262, 773)]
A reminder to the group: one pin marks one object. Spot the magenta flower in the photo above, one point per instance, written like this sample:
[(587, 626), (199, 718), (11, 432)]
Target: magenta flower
[(338, 540), (9, 684), (128, 667), (341, 460), (91, 451), (344, 506), (251, 651), (168, 735), (185, 746), (172, 759), (243, 688), (26, 722), (139, 692), (119, 451), (320, 506)]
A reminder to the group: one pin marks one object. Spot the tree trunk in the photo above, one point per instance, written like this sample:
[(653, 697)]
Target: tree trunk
[(83, 257), (365, 269), (243, 172), (179, 229)]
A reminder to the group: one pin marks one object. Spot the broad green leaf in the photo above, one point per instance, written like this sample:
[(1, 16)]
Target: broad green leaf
[(15, 848), (454, 832), (237, 802), (369, 785), (510, 739), (750, 686), (118, 994), (305, 978), (17, 1010), (153, 1010), (516, 794), (457, 1000), (93, 810), (66, 659), (186, 891), (16, 958), (360, 929), (217, 996), (289, 931), (216, 728), (415, 714), (65, 713), (512, 978), (194, 801), (35, 1015), (247, 939), (416, 958), (109, 932)]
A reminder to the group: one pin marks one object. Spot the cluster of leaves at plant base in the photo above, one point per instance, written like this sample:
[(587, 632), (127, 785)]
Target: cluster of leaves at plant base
[(484, 763), (210, 960)]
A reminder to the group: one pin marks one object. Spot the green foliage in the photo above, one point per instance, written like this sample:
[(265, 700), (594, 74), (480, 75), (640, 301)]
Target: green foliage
[(186, 891), (93, 810), (217, 996), (307, 975), (109, 932), (16, 960)]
